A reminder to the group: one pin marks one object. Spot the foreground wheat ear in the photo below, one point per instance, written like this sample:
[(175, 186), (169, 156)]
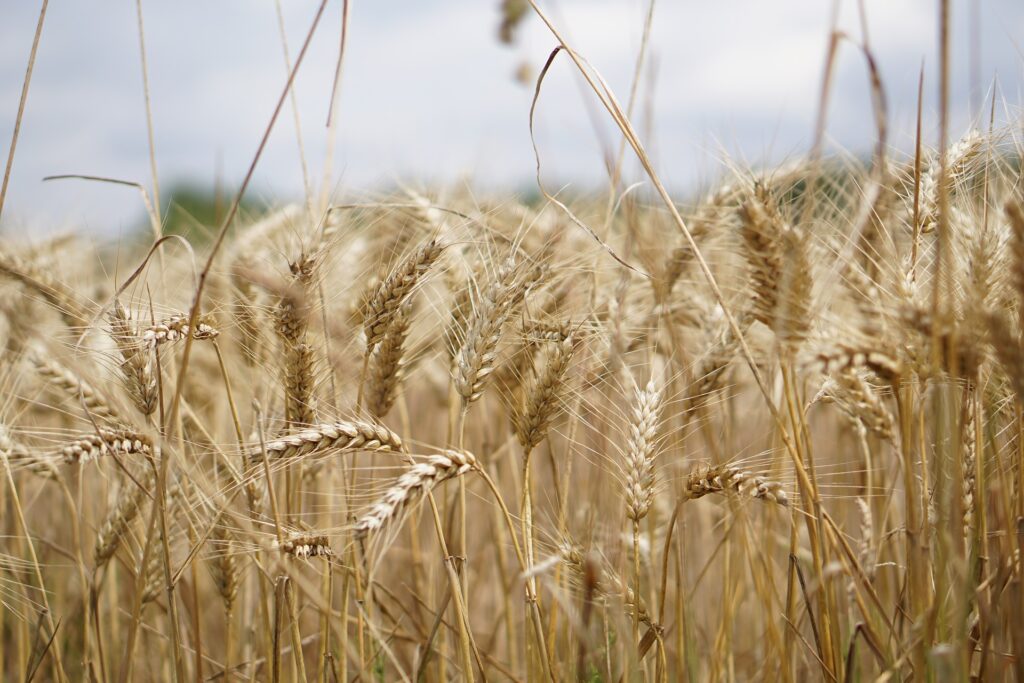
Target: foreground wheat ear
[(418, 481), (449, 438)]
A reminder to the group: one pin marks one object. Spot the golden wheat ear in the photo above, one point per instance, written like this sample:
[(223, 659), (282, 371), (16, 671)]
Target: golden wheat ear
[(411, 486)]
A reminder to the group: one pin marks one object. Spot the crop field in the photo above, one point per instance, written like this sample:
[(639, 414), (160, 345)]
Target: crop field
[(770, 431)]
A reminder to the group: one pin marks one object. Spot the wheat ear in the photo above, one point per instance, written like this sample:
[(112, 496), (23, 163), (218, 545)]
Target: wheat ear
[(392, 292), (609, 585), (176, 328), (386, 364), (20, 457), (74, 387), (304, 545), (333, 436), (412, 485), (116, 524), (476, 359), (136, 364), (542, 395), (75, 312), (105, 442), (640, 451), (708, 479)]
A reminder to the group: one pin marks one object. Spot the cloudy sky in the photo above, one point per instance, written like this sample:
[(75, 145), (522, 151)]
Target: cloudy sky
[(429, 94)]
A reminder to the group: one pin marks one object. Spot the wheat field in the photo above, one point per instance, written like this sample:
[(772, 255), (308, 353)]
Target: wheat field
[(773, 433)]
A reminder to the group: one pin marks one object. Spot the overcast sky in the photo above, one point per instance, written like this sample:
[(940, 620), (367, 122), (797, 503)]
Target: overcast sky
[(429, 94)]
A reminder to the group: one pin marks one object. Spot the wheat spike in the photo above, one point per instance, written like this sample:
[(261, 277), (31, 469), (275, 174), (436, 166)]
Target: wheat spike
[(74, 387), (305, 545), (224, 567), (176, 328), (75, 312), (20, 457), (416, 482), (542, 395), (640, 451), (855, 397), (334, 437), (609, 584), (958, 162), (392, 292), (137, 364), (116, 524), (385, 372), (105, 442), (708, 479), (476, 359)]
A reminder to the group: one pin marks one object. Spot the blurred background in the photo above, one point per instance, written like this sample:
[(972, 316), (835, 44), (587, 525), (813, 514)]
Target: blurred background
[(432, 95)]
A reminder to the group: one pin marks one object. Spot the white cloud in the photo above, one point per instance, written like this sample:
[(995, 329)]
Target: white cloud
[(428, 94)]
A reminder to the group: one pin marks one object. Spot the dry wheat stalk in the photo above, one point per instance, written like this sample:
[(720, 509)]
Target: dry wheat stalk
[(106, 441), (334, 437), (175, 328), (542, 395), (640, 451), (412, 485), (708, 479)]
